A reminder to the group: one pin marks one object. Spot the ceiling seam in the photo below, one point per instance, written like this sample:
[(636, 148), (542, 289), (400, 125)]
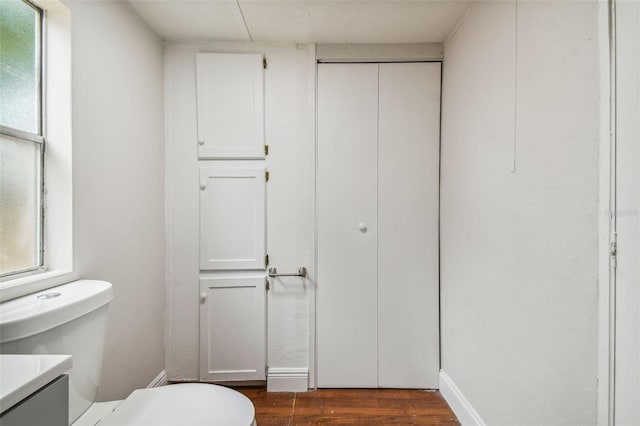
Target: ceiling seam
[(244, 21), (457, 26)]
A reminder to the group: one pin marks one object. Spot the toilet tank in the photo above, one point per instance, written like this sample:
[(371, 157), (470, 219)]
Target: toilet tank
[(69, 319)]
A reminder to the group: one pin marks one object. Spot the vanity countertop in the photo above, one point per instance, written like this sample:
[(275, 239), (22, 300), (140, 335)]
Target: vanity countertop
[(22, 375)]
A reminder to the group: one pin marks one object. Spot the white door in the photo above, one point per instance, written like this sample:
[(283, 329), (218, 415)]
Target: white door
[(627, 284), (232, 218), (377, 201), (347, 225), (408, 182), (230, 101), (232, 329)]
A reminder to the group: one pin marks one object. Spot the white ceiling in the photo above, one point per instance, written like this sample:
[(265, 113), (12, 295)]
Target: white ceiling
[(303, 21)]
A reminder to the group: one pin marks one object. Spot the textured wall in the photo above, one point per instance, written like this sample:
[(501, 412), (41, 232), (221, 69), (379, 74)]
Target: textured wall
[(118, 183), (519, 249)]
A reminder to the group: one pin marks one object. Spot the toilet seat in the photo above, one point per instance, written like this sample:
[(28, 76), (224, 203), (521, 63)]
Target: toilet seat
[(183, 404)]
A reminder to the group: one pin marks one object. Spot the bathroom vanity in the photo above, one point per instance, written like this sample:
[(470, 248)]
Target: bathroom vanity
[(34, 390)]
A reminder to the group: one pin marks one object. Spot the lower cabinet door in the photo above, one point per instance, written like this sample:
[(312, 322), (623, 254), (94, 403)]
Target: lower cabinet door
[(232, 329)]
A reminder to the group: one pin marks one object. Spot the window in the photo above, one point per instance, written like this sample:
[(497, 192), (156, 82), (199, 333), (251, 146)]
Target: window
[(21, 138)]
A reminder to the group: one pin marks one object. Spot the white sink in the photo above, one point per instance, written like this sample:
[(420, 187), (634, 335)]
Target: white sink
[(22, 375)]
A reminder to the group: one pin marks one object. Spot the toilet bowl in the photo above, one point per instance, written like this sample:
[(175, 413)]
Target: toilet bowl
[(71, 319), (183, 404)]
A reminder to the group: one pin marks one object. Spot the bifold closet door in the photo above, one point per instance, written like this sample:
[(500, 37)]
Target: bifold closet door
[(408, 176), (377, 212), (347, 225)]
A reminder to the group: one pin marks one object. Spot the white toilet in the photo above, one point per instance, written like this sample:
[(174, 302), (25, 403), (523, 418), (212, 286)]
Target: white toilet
[(71, 319)]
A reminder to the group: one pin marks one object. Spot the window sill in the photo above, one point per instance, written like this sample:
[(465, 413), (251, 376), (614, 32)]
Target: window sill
[(33, 283)]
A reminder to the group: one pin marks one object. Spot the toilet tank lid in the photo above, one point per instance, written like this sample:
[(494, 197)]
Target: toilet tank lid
[(44, 310)]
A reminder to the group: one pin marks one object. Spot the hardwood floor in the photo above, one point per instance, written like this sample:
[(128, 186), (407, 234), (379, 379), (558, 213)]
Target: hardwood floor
[(350, 407)]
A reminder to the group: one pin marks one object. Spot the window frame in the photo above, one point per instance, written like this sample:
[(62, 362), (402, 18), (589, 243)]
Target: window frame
[(39, 140)]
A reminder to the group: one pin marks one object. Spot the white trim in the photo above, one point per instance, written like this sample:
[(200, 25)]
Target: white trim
[(287, 379), (462, 408), (58, 200), (159, 380), (379, 52), (313, 87), (33, 283), (606, 225), (169, 174)]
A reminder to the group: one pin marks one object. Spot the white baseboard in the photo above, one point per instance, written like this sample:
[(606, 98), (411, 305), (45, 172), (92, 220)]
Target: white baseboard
[(462, 408), (160, 380), (287, 379)]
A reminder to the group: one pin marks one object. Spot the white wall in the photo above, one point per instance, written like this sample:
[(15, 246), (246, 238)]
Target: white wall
[(289, 127), (519, 251), (118, 183)]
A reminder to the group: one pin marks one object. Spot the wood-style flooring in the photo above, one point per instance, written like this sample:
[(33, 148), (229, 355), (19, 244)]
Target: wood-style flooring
[(350, 407)]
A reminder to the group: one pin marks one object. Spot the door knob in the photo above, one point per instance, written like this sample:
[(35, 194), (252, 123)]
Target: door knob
[(362, 227)]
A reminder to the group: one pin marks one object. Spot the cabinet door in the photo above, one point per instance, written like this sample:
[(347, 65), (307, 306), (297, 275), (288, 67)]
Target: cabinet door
[(230, 94), (48, 406), (232, 329), (232, 218)]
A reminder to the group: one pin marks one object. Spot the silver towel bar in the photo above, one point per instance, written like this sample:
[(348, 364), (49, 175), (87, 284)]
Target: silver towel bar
[(302, 272)]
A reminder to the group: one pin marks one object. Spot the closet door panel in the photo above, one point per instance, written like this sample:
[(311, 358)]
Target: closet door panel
[(232, 328), (232, 218), (230, 101), (347, 225), (408, 319)]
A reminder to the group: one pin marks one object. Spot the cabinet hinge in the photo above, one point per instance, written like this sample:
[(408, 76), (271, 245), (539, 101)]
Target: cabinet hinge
[(266, 150), (266, 176), (264, 63), (266, 260), (267, 286)]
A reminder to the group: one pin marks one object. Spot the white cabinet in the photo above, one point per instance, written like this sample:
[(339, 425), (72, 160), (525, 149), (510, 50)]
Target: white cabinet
[(230, 113), (47, 406), (232, 328), (232, 218), (377, 210), (230, 103)]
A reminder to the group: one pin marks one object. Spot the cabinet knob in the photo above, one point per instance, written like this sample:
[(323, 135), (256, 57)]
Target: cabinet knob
[(362, 227), (203, 297), (203, 186), (200, 142)]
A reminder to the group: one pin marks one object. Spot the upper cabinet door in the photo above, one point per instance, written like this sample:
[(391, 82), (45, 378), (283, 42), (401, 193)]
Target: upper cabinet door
[(230, 92), (232, 218)]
